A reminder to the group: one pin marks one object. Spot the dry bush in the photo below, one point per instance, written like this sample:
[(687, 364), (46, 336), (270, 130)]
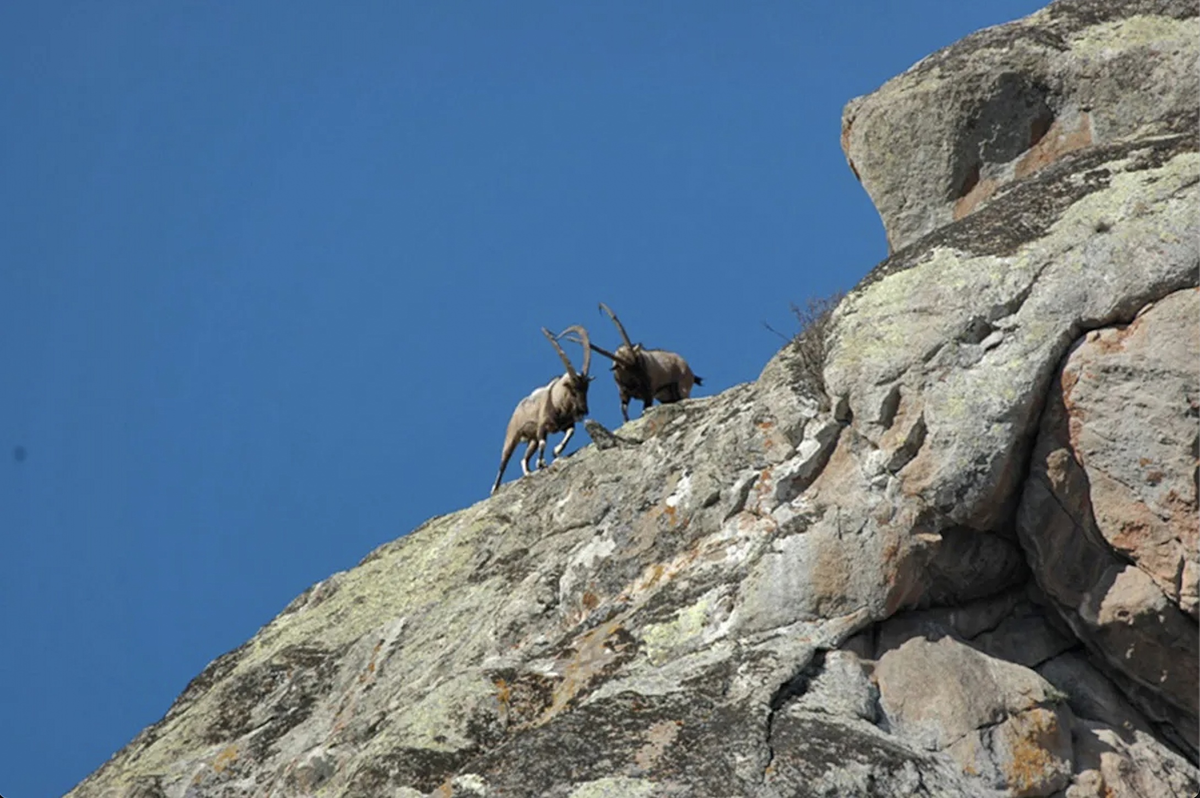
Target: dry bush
[(809, 342)]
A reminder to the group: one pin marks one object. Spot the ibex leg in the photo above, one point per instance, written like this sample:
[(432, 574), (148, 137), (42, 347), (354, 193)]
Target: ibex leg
[(563, 443), (529, 450)]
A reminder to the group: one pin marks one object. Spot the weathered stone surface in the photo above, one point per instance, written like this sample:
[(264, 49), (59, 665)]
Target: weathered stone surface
[(1112, 765), (748, 594), (1116, 753), (937, 143), (1132, 397), (1109, 514), (839, 686), (818, 756), (907, 332), (997, 719)]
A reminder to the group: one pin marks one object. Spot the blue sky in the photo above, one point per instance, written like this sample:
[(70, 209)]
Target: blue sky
[(272, 277)]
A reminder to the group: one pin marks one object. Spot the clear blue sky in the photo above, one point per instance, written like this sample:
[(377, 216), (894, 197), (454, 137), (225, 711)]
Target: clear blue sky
[(272, 277)]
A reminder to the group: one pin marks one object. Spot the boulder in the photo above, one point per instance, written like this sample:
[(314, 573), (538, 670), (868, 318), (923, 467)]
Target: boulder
[(1109, 512), (998, 720), (938, 142)]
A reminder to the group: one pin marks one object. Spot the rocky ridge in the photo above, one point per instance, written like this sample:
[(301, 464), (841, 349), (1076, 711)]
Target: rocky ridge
[(969, 569)]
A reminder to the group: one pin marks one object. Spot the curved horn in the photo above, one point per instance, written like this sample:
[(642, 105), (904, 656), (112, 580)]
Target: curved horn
[(598, 350), (554, 343), (587, 345), (620, 328)]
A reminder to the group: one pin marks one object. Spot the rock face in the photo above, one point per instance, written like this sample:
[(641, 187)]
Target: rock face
[(970, 569), (938, 142), (1109, 513)]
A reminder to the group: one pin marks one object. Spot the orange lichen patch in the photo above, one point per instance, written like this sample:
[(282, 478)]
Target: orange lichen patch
[(1112, 339), (762, 489), (659, 736), (1031, 738), (648, 526), (1049, 140), (226, 758), (1048, 144), (595, 654), (830, 574), (1070, 378), (1028, 765), (503, 695), (1075, 416), (522, 697), (656, 574), (1130, 534), (371, 665), (975, 194), (770, 438), (651, 577)]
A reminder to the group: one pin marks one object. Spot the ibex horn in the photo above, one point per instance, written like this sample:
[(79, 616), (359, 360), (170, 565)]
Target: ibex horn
[(621, 329), (599, 350), (587, 345), (554, 342)]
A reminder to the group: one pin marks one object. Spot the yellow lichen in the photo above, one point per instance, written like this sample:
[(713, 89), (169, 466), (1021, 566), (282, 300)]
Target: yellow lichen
[(1030, 737), (1098, 41), (660, 640), (224, 759)]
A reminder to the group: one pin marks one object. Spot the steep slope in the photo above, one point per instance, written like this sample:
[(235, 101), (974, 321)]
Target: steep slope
[(969, 570)]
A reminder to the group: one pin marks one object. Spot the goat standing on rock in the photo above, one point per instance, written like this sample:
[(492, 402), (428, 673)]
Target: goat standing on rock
[(645, 374), (554, 407)]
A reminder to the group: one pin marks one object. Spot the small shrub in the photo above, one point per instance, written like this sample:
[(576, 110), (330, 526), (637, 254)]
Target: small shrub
[(809, 341)]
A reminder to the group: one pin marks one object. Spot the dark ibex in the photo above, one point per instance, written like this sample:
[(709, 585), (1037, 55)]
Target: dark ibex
[(645, 374), (554, 407)]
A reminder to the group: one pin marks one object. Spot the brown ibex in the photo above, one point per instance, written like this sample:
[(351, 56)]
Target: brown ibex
[(554, 407), (645, 374)]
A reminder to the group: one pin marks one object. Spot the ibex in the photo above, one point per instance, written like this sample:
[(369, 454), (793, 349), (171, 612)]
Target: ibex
[(645, 374), (554, 407)]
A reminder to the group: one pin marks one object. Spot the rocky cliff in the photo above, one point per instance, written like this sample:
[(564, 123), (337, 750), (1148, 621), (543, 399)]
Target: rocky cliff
[(962, 560)]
